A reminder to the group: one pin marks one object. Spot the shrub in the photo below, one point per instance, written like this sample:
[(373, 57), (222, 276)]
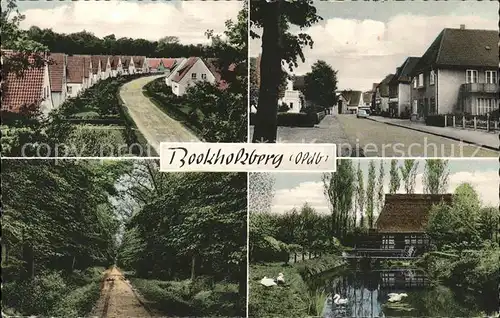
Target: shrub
[(297, 119), (435, 120)]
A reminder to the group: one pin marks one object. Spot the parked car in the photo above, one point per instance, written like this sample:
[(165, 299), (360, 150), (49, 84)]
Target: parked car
[(362, 113)]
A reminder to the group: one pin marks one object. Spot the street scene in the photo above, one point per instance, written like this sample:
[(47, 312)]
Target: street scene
[(373, 89), (90, 86), (114, 239), (377, 238)]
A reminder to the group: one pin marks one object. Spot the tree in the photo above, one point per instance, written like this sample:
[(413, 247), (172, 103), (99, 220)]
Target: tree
[(360, 195), (370, 194), (321, 84), (278, 44), (395, 180), (339, 189), (380, 187), (260, 192), (169, 39), (409, 174), (436, 176)]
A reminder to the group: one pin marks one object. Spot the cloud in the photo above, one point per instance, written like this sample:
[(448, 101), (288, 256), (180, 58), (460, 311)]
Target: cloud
[(151, 21), (486, 184), (364, 51)]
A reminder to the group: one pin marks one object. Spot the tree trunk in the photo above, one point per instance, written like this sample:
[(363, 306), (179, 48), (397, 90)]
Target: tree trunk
[(295, 257), (242, 286), (270, 75), (28, 271), (193, 267)]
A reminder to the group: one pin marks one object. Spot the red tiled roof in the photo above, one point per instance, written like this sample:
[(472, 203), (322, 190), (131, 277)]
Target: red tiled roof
[(212, 66), (95, 63), (168, 63), (104, 61), (113, 60), (56, 71), (86, 65), (154, 63), (24, 90), (139, 61), (185, 68), (75, 67)]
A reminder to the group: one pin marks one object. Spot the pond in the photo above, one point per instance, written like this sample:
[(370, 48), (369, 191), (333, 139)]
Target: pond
[(367, 296)]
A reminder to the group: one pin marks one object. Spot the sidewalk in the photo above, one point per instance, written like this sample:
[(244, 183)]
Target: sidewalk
[(482, 138)]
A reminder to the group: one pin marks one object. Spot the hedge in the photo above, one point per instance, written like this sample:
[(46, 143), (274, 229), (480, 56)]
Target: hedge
[(435, 120), (295, 119), (96, 121)]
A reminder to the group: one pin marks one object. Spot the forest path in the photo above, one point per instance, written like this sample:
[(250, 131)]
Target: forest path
[(118, 299)]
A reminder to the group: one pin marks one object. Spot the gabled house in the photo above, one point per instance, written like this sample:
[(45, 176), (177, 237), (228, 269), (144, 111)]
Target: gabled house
[(31, 88), (194, 70), (87, 71), (403, 220), (400, 88), (458, 74), (139, 64), (178, 65), (367, 99), (382, 94), (168, 65), (105, 66), (57, 77), (75, 75), (350, 101), (115, 63), (96, 69)]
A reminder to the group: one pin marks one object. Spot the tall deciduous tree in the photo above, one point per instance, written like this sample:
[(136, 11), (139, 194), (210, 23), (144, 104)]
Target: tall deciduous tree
[(360, 195), (260, 192), (395, 178), (380, 187), (370, 193), (409, 174), (339, 188), (278, 44), (321, 84), (436, 175)]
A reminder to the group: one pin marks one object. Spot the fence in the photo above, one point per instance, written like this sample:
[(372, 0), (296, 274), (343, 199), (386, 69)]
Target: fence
[(487, 123)]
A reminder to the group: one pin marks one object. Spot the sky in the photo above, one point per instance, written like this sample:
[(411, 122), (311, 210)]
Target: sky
[(292, 190), (365, 41), (149, 20)]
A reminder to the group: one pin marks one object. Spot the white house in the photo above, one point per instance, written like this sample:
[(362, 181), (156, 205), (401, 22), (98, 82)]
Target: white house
[(57, 77), (292, 98), (178, 66), (193, 71), (75, 78), (32, 88), (96, 69), (105, 66)]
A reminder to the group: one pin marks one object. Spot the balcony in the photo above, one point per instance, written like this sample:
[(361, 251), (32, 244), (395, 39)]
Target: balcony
[(480, 88)]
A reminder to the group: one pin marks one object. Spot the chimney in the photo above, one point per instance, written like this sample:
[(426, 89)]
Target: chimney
[(462, 26)]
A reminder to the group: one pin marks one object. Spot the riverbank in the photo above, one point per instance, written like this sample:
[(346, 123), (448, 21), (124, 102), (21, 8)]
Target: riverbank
[(296, 298)]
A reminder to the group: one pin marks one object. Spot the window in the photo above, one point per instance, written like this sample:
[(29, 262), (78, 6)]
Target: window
[(486, 105), (44, 92), (415, 83), (388, 241), (491, 77), (432, 78), (432, 104), (415, 106), (204, 76), (421, 80), (193, 75), (471, 76), (70, 90)]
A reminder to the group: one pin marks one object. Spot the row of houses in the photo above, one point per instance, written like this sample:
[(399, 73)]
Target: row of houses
[(66, 76), (458, 74)]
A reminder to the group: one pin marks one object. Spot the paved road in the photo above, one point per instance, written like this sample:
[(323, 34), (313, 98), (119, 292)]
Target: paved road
[(118, 299), (329, 130), (153, 123), (380, 139)]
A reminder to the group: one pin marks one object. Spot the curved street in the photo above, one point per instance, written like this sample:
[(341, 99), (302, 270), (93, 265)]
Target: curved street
[(154, 124)]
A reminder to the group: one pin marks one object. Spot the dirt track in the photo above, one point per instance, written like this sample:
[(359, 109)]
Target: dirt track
[(118, 299)]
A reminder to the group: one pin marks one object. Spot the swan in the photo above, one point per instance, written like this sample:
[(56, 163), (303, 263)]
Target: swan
[(280, 279), (268, 282), (339, 301), (394, 297)]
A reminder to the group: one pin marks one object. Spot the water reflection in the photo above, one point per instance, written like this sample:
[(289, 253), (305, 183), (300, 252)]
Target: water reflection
[(367, 294)]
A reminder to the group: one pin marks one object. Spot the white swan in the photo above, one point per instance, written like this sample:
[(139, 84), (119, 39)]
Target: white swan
[(268, 282), (394, 297), (339, 301), (280, 279)]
